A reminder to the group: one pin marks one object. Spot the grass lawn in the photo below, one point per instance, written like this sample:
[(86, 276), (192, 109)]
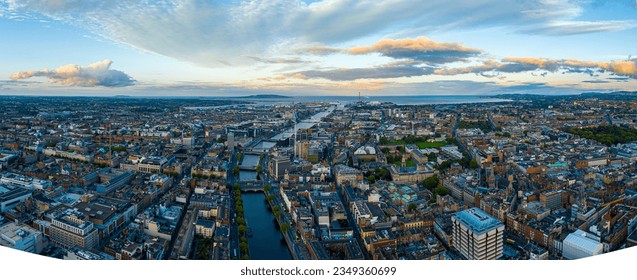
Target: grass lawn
[(421, 145), (409, 162), (426, 145)]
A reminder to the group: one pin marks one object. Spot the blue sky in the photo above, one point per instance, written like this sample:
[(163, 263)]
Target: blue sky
[(340, 47)]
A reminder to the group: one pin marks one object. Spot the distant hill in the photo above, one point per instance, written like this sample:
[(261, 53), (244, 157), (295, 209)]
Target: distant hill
[(264, 96), (617, 95)]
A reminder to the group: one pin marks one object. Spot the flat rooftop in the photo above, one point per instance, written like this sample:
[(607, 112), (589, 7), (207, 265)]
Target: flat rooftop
[(477, 220)]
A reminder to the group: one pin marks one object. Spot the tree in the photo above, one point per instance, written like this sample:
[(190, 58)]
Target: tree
[(237, 187), (383, 140), (241, 229), (371, 179), (259, 169), (269, 197), (266, 188), (411, 207), (440, 190), (473, 164), (506, 134), (431, 182), (285, 227), (243, 246)]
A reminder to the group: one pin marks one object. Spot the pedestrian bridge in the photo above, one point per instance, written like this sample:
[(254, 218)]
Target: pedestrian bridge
[(252, 187)]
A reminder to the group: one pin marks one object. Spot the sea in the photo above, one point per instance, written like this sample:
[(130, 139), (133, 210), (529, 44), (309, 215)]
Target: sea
[(398, 100)]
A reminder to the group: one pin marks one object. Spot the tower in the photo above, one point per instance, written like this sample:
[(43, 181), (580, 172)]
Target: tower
[(477, 235), (294, 137), (231, 142)]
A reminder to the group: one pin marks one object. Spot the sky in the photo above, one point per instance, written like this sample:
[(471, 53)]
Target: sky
[(328, 47)]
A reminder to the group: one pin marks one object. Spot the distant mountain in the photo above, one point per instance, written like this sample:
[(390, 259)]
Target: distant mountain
[(609, 94), (617, 95), (264, 96)]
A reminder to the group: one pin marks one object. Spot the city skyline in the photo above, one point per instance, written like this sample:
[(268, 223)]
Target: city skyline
[(229, 48)]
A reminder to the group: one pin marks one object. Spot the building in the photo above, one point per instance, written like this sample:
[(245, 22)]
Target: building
[(477, 235), (9, 199), (552, 199), (205, 228), (581, 244), (301, 149), (345, 174), (77, 254), (25, 182), (69, 229), (146, 164), (231, 142), (7, 158), (278, 166), (113, 179), (21, 237)]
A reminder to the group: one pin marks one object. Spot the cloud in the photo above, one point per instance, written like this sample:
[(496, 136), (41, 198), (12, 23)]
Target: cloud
[(579, 27), (420, 49), (492, 68), (278, 60), (596, 82), (392, 70), (524, 64), (319, 50), (96, 74), (229, 31)]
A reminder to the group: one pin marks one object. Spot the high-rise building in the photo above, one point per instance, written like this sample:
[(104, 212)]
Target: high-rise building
[(477, 235), (301, 149), (69, 229), (552, 199), (278, 166), (231, 142)]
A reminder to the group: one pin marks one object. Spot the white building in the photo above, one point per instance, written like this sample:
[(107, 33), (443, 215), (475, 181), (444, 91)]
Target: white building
[(26, 182), (230, 141), (581, 244), (205, 228), (69, 230), (477, 235), (21, 237), (10, 198)]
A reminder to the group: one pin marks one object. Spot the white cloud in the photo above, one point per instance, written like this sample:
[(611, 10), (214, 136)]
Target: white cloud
[(214, 33), (96, 74), (577, 27), (626, 68)]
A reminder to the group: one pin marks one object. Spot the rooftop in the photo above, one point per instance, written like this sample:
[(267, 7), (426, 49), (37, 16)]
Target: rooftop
[(583, 240), (477, 220)]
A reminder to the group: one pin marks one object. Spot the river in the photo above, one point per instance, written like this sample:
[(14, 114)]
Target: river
[(266, 243)]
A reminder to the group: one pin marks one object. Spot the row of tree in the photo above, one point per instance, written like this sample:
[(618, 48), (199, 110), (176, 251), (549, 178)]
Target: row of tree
[(242, 227)]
